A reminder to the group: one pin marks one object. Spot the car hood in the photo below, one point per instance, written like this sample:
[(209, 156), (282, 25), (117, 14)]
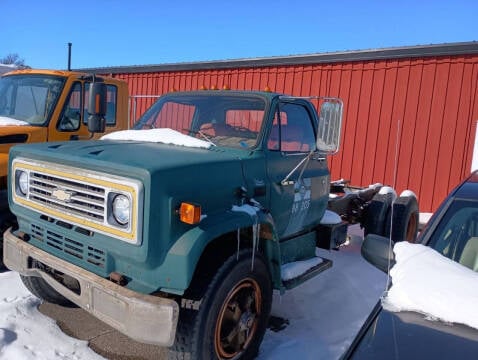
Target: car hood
[(409, 335)]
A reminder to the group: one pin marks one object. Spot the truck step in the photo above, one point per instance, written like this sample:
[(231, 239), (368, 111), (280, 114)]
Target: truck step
[(318, 265)]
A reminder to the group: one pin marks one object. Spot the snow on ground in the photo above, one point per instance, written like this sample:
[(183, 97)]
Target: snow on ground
[(26, 334), (324, 315), (326, 312)]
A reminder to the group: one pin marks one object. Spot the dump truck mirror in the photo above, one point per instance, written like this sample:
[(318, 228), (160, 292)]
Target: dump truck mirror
[(330, 125), (378, 251), (97, 108)]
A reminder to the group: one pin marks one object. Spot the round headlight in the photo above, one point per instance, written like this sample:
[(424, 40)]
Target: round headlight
[(23, 182), (121, 209)]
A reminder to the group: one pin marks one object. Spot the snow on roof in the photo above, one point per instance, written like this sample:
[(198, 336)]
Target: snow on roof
[(163, 135), (425, 281), (7, 121)]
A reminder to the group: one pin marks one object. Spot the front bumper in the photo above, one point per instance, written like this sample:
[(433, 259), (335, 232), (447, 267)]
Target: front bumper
[(144, 318)]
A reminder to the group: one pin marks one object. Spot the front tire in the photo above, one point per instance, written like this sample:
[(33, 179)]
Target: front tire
[(232, 318), (40, 288)]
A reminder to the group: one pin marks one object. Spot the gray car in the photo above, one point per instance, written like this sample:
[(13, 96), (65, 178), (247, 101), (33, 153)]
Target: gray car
[(453, 232)]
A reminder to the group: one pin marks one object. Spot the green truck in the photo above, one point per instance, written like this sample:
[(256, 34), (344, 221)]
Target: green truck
[(177, 232)]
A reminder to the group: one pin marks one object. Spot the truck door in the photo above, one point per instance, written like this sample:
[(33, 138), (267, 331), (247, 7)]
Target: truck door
[(71, 124), (300, 202)]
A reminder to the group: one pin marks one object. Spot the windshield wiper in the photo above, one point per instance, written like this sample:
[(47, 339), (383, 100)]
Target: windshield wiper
[(207, 138)]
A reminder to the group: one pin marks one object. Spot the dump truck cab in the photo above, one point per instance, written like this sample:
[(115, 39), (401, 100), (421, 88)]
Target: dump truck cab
[(49, 105)]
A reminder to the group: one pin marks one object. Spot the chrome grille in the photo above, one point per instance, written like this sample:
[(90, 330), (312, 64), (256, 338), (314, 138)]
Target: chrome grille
[(74, 197)]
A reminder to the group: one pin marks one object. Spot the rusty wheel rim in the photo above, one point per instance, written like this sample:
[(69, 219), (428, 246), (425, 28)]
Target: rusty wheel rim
[(238, 319), (412, 228)]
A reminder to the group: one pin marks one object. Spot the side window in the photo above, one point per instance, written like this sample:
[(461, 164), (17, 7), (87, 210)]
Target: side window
[(71, 115), (456, 236), (292, 129), (111, 104)]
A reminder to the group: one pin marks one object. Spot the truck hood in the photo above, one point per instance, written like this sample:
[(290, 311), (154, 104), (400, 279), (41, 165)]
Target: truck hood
[(17, 134), (113, 155), (11, 134)]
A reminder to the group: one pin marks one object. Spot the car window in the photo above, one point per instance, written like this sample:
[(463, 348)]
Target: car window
[(70, 118), (456, 237), (111, 104)]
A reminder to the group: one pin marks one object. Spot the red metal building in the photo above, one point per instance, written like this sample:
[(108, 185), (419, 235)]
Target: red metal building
[(410, 113)]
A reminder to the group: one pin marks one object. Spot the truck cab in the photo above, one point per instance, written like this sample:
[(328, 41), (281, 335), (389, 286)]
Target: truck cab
[(50, 105)]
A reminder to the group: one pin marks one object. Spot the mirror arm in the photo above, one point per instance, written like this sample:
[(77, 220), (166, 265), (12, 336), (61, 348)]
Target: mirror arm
[(304, 162)]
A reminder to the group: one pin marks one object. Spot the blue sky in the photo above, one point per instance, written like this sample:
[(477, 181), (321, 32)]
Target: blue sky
[(142, 32)]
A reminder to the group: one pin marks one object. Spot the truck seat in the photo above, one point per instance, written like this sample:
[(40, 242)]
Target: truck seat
[(469, 255), (215, 129)]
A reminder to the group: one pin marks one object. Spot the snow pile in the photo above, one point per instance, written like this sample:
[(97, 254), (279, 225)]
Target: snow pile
[(297, 268), (163, 135), (429, 283), (7, 121), (27, 334)]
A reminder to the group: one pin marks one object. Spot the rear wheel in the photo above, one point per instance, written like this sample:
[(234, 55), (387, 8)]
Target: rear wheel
[(232, 318)]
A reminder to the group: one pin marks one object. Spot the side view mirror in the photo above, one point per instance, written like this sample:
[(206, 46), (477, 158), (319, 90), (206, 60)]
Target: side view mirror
[(378, 251), (330, 125), (97, 108)]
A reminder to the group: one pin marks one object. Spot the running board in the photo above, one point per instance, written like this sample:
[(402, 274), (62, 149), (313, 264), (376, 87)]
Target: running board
[(313, 271)]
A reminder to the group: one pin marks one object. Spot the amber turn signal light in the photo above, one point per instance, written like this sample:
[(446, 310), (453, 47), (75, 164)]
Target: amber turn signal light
[(189, 213)]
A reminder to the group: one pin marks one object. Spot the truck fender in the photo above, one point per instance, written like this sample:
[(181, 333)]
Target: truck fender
[(182, 258)]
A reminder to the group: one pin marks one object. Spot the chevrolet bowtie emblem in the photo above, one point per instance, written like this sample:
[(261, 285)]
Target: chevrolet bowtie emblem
[(62, 195)]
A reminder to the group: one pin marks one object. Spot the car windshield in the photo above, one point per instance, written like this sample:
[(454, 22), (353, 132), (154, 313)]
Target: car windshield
[(456, 236), (29, 98), (222, 120)]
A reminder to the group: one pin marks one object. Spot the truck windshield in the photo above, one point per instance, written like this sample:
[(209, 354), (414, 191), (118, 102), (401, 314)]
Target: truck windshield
[(29, 97), (222, 119)]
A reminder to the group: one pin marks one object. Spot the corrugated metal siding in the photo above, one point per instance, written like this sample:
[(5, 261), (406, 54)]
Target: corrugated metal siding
[(423, 109)]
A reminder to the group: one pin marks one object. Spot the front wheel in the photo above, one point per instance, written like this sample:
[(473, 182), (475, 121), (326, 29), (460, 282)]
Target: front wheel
[(232, 318), (42, 290)]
